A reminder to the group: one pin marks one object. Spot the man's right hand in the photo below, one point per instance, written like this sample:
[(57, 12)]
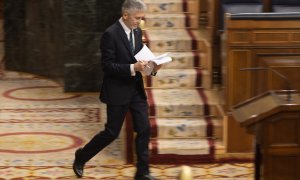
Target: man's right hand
[(140, 65)]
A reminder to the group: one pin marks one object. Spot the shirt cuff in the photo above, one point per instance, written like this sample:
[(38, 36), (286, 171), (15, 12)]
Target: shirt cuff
[(132, 70)]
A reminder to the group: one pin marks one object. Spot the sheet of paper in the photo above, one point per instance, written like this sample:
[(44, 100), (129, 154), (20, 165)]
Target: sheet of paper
[(162, 55), (144, 54), (162, 60)]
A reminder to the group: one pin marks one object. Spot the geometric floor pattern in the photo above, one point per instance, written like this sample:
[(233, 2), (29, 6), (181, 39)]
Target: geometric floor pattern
[(125, 172), (41, 127)]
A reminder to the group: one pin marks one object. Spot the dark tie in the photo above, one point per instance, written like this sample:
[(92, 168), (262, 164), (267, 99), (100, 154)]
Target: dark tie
[(131, 42)]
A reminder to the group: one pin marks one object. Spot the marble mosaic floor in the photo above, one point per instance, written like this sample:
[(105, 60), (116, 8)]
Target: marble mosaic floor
[(41, 127)]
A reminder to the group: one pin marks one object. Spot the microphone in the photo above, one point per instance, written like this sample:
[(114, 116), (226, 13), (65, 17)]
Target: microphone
[(286, 80)]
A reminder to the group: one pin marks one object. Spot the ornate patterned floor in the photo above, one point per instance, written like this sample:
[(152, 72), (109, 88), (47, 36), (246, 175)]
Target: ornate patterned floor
[(111, 172), (41, 127)]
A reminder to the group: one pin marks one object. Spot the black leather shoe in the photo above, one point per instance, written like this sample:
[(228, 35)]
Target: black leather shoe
[(77, 165), (145, 177)]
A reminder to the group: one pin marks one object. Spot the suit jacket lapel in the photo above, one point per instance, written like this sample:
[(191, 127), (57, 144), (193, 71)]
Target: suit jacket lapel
[(124, 37)]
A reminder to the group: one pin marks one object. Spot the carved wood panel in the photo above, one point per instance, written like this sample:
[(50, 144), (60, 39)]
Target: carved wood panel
[(282, 147), (287, 65), (257, 43)]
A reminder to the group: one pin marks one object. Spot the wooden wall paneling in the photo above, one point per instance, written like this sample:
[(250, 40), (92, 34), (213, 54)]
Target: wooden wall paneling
[(254, 43), (237, 90), (213, 29), (286, 64), (237, 140), (240, 81), (290, 72), (284, 147)]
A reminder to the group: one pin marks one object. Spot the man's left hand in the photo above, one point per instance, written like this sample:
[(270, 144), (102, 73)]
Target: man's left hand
[(156, 67)]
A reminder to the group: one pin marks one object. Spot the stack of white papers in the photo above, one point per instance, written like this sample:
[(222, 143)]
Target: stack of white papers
[(145, 54)]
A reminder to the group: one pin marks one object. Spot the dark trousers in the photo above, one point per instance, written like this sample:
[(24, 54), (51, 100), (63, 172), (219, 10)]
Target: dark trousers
[(115, 118)]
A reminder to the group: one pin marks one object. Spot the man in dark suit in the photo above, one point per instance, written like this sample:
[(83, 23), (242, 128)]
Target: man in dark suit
[(122, 89)]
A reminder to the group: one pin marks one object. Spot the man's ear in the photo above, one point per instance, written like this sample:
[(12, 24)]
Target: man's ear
[(125, 15)]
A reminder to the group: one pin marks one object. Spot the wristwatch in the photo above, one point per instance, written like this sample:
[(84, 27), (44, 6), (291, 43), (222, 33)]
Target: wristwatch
[(153, 73)]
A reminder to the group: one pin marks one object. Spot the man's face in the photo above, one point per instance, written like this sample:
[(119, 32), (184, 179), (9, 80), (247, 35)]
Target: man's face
[(132, 20)]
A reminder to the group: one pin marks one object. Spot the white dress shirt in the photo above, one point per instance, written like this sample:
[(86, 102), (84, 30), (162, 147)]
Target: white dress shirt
[(127, 31)]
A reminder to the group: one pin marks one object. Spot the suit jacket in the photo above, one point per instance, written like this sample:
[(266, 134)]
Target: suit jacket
[(118, 86)]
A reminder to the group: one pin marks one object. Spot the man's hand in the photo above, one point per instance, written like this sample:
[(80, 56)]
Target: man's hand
[(156, 67), (140, 65)]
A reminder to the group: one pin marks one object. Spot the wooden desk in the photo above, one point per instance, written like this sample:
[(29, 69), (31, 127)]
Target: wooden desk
[(275, 122)]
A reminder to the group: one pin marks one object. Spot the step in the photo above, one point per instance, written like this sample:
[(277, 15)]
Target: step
[(181, 146), (183, 60), (171, 6), (173, 40), (182, 102), (176, 128), (179, 78), (171, 21)]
